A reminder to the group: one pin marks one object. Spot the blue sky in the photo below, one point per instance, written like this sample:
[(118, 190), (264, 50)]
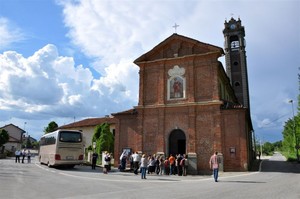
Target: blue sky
[(69, 60)]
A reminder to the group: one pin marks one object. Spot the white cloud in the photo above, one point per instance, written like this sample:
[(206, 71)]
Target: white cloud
[(112, 30), (47, 83), (114, 33), (8, 33)]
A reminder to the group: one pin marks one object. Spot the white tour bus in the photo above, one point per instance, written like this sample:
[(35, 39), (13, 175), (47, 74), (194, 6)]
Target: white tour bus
[(62, 147)]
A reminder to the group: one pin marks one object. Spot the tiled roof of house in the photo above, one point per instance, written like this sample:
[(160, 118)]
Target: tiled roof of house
[(3, 127), (89, 122), (11, 138)]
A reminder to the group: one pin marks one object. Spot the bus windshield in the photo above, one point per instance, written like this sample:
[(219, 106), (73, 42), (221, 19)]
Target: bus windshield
[(70, 136)]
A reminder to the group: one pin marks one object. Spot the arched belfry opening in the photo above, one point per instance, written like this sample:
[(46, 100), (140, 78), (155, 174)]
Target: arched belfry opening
[(177, 142)]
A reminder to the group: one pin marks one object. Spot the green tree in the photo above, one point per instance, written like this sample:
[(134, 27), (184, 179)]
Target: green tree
[(4, 137), (52, 126), (27, 143), (277, 146), (288, 143), (291, 131), (106, 139), (268, 148), (103, 138)]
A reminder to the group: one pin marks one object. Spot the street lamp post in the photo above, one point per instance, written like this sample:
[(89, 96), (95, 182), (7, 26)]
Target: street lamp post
[(294, 129), (25, 135)]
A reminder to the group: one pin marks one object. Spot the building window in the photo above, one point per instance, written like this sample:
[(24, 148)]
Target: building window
[(237, 84), (235, 45)]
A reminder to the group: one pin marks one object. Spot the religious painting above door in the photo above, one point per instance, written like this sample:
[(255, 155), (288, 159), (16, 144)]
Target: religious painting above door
[(176, 83)]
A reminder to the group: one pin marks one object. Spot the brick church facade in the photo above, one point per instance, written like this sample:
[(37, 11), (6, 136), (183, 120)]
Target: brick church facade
[(189, 105)]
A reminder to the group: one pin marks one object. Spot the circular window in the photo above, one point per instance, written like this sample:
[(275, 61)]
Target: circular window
[(235, 63)]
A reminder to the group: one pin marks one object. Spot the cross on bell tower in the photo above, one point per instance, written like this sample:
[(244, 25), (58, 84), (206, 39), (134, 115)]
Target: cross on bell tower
[(235, 57)]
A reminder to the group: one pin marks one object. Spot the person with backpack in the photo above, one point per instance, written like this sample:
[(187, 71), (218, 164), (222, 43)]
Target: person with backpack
[(167, 166)]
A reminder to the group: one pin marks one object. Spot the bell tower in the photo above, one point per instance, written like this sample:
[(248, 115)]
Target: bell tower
[(235, 57)]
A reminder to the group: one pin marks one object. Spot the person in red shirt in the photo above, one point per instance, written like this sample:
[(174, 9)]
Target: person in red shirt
[(214, 165)]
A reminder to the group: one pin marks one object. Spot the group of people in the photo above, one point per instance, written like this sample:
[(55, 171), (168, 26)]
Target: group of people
[(156, 164), (172, 165), (22, 154), (176, 165)]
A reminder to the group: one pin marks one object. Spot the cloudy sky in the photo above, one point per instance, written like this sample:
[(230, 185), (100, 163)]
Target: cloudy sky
[(64, 61)]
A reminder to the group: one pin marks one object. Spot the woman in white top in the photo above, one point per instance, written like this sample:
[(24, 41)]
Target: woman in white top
[(144, 163)]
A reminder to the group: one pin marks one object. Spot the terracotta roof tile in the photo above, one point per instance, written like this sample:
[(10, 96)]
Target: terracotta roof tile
[(90, 122)]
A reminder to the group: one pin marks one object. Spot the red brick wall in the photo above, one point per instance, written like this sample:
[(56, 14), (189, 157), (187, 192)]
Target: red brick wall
[(235, 136), (207, 128)]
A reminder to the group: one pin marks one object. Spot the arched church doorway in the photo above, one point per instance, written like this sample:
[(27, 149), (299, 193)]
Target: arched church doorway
[(177, 142)]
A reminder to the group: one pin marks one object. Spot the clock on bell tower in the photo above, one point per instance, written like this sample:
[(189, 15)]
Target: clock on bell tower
[(235, 57)]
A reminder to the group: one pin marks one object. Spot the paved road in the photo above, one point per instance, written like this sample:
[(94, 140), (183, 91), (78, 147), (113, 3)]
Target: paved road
[(277, 179)]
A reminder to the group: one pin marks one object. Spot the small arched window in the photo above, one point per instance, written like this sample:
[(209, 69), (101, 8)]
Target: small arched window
[(234, 43), (237, 84)]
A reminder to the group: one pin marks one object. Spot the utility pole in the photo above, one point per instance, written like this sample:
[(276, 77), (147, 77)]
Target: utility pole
[(260, 148)]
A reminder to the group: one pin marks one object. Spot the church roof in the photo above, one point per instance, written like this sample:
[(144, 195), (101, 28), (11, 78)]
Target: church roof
[(127, 112), (89, 122), (177, 46)]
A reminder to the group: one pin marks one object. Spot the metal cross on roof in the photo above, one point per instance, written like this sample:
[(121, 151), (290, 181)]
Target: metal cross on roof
[(175, 27)]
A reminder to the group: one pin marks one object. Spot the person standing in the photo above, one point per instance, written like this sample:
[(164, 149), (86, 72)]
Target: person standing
[(179, 167), (131, 162), (17, 154), (136, 161), (184, 165), (94, 160), (157, 165), (167, 166), (28, 156), (144, 163), (172, 164), (161, 165), (23, 155), (107, 159), (214, 165), (258, 153)]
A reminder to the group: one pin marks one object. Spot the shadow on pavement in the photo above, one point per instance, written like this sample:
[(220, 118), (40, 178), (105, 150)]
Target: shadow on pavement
[(241, 181), (280, 166)]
